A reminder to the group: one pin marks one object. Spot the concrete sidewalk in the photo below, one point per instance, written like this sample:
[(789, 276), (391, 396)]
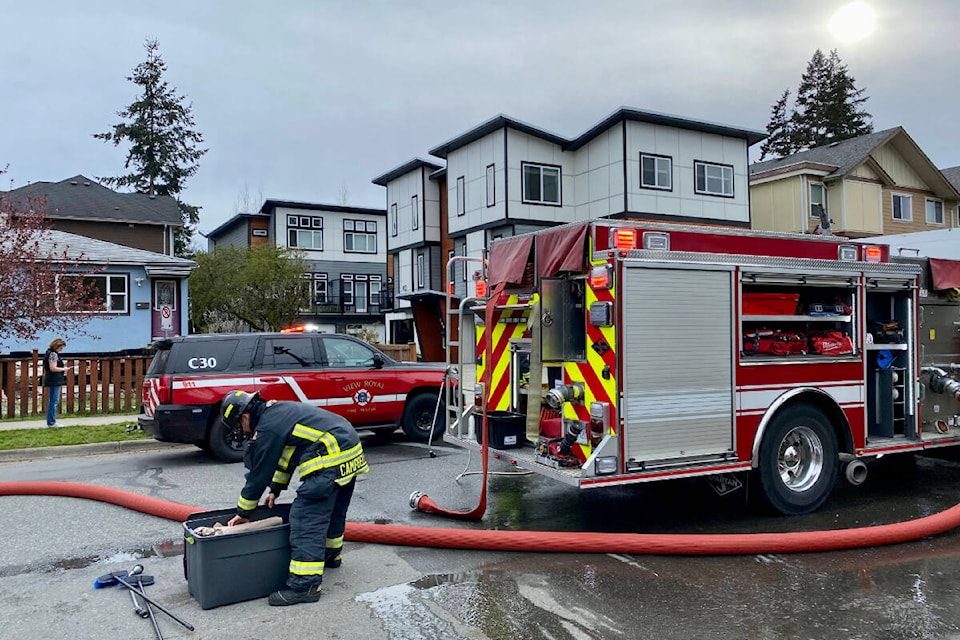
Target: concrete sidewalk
[(41, 422)]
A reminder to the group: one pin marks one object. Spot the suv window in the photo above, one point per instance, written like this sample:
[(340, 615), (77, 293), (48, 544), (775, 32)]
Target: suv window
[(347, 353), (288, 353), (201, 356)]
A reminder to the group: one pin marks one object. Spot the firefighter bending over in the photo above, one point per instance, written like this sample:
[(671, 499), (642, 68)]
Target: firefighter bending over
[(325, 449)]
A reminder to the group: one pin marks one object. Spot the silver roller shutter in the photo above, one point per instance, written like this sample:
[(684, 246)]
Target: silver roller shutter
[(677, 349)]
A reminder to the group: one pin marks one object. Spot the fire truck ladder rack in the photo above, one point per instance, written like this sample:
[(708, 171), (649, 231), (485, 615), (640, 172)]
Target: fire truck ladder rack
[(460, 352)]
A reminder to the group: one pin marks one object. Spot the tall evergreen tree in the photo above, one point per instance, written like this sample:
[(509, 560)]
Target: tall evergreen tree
[(779, 140), (828, 108), (164, 145)]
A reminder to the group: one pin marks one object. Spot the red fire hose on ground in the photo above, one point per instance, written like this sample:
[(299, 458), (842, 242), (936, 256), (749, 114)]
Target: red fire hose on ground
[(574, 542)]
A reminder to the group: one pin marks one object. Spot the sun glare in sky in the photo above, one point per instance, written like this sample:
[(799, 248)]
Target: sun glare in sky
[(853, 22)]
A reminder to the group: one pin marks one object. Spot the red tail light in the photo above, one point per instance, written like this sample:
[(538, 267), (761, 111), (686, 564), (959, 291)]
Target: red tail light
[(165, 390)]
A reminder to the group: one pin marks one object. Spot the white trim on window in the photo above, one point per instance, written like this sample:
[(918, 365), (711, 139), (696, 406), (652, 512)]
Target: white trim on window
[(491, 185), (817, 198), (415, 212), (656, 172), (421, 269), (712, 179), (901, 207), (541, 184), (934, 211), (393, 219)]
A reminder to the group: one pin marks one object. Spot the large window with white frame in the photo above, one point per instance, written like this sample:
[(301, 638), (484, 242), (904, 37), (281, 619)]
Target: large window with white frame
[(376, 284), (491, 185), (656, 172), (112, 289), (934, 211), (361, 289), (461, 196), (901, 207), (360, 236), (320, 288), (713, 179), (305, 232), (414, 212), (541, 184)]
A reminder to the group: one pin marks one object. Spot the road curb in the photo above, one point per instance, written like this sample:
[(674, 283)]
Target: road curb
[(38, 453)]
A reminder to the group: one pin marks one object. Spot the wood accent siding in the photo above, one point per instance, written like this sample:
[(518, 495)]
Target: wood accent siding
[(898, 168), (148, 237), (259, 224)]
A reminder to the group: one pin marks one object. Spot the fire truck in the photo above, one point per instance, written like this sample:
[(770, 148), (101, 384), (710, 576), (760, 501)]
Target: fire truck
[(615, 351)]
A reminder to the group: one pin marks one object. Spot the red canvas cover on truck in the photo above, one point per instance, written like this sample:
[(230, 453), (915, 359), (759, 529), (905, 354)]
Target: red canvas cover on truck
[(946, 273)]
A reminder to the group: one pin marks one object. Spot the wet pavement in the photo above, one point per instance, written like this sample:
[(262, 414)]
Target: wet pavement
[(55, 547)]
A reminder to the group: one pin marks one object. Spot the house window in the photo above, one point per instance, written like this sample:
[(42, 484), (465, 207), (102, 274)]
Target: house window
[(421, 269), (901, 207), (305, 232), (361, 289), (415, 212), (375, 286), (360, 236), (541, 184), (491, 190), (320, 288), (461, 196), (112, 290), (713, 179), (393, 219), (934, 211), (656, 172), (347, 290), (818, 199), (463, 252)]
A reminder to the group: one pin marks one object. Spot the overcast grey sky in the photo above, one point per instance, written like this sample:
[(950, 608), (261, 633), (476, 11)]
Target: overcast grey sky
[(300, 98)]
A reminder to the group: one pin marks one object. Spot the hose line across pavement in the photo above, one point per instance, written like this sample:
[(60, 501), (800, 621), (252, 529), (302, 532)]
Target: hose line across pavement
[(553, 541)]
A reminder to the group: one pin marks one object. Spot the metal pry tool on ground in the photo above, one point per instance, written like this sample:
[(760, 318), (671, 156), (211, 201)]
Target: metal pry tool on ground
[(123, 578)]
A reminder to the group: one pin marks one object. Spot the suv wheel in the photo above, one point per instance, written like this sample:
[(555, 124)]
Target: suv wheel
[(226, 444), (419, 414)]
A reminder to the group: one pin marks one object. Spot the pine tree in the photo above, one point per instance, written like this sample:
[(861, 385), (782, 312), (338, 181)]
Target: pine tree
[(164, 146), (779, 140), (828, 108)]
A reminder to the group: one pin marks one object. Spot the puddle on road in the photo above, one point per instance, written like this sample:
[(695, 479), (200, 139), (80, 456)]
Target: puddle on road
[(502, 605), (165, 549)]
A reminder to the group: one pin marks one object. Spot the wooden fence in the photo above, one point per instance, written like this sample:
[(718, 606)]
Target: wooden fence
[(94, 386)]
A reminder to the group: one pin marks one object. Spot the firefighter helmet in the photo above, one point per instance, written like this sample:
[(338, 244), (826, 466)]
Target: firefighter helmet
[(233, 406)]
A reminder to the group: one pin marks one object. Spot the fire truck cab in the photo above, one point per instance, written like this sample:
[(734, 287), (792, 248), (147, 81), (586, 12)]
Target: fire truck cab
[(615, 352)]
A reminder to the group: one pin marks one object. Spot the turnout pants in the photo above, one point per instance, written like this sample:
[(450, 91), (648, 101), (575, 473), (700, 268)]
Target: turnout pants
[(318, 517)]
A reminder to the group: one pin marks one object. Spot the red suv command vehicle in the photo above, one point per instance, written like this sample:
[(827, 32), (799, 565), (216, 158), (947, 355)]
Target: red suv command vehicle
[(189, 376)]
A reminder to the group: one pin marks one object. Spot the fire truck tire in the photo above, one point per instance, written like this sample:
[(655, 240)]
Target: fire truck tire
[(225, 444), (798, 461), (418, 415)]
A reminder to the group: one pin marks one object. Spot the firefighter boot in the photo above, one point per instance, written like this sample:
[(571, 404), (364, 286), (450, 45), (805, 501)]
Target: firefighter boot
[(333, 560), (286, 597)]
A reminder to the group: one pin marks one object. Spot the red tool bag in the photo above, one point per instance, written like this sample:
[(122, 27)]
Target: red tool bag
[(830, 343), (774, 343)]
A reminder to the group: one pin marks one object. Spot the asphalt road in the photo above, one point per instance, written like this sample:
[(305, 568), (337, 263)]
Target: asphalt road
[(53, 549)]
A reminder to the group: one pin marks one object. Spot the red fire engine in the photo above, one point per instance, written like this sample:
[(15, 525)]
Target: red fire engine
[(616, 352)]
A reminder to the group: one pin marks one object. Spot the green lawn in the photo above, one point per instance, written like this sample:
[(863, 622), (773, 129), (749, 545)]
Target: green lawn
[(45, 437)]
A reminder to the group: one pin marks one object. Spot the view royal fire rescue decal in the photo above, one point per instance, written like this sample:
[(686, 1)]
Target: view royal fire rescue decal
[(361, 394)]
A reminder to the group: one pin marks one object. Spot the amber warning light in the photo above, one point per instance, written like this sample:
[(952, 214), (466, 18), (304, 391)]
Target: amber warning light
[(624, 238), (871, 253)]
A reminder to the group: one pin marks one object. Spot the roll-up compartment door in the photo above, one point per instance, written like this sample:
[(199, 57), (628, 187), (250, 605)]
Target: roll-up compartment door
[(677, 348)]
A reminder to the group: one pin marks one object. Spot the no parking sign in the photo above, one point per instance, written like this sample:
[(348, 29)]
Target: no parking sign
[(166, 318)]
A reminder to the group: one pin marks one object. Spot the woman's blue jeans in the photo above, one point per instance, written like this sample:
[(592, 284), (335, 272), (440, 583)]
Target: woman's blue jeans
[(52, 403)]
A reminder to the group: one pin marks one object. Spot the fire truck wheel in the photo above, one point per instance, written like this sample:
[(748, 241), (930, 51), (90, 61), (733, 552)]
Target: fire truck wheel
[(225, 444), (419, 414), (798, 461)]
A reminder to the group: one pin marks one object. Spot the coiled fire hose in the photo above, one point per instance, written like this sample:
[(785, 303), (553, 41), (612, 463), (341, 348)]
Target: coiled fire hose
[(554, 541)]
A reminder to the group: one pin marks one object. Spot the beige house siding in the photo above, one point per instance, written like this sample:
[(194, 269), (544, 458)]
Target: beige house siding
[(898, 168), (863, 171), (918, 211), (862, 200), (777, 205)]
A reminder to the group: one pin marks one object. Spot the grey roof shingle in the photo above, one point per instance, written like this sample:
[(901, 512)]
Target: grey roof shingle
[(80, 198), (100, 252), (844, 155), (953, 175)]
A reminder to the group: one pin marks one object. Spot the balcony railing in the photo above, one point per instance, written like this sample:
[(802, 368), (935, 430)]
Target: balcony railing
[(336, 305)]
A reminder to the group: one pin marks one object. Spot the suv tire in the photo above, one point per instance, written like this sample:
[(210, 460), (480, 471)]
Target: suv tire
[(225, 444), (418, 415)]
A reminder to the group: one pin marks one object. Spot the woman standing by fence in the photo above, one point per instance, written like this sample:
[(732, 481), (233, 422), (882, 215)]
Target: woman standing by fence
[(54, 378)]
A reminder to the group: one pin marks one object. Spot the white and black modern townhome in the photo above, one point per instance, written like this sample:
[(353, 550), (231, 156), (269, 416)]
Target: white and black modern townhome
[(505, 177)]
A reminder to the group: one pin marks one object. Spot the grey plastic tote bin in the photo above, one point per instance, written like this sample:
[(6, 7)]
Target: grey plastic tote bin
[(232, 568)]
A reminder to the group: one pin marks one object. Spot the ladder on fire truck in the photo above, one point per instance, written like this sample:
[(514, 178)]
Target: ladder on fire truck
[(459, 321)]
